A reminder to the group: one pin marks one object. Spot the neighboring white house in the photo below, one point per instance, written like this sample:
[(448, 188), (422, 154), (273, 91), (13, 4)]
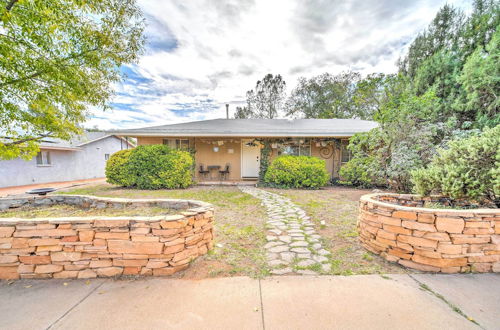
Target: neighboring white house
[(81, 158)]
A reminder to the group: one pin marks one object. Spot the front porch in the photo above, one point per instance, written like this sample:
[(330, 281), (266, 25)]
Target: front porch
[(236, 161)]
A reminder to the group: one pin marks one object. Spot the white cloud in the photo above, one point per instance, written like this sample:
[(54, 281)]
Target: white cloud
[(203, 54)]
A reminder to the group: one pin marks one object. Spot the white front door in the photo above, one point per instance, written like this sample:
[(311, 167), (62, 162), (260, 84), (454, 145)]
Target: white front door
[(250, 159)]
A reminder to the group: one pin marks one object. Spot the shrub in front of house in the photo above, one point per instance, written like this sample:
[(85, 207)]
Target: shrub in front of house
[(116, 168), (356, 172), (468, 169), (156, 167), (297, 172)]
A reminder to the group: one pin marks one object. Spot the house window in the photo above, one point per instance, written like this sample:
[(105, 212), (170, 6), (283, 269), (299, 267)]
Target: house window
[(297, 148), (106, 156), (180, 144), (43, 158), (345, 154)]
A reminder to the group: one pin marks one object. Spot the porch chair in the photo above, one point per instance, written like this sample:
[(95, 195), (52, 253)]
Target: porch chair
[(225, 172), (203, 172)]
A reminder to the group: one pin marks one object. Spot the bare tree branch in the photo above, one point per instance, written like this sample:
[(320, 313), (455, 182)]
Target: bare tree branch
[(28, 139), (10, 4)]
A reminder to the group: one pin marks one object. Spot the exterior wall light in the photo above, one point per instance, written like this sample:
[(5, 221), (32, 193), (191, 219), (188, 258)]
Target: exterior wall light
[(216, 149)]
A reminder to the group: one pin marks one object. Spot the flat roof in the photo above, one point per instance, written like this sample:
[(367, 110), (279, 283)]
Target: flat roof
[(257, 128)]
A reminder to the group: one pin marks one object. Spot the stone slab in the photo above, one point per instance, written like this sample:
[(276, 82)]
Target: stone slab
[(478, 295), (354, 302)]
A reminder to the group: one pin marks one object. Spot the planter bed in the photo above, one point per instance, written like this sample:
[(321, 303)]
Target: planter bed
[(102, 246), (434, 240)]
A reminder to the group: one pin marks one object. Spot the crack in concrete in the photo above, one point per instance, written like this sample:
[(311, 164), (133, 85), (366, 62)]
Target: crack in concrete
[(261, 307), (75, 305), (453, 307)]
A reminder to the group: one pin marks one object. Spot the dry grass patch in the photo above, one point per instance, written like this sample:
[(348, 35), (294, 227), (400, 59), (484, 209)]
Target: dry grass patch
[(57, 211)]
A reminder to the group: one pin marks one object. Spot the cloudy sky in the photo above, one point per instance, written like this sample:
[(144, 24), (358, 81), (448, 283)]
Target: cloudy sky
[(202, 54)]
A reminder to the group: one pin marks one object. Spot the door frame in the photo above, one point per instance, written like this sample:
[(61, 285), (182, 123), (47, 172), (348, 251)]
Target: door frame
[(242, 163)]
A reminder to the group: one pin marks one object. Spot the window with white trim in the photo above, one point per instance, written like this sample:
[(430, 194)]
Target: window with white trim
[(43, 158)]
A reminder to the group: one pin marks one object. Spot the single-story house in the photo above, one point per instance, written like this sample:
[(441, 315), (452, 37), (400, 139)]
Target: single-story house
[(83, 157), (235, 144)]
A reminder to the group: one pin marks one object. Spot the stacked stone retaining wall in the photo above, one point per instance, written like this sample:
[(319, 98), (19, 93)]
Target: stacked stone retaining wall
[(434, 240), (89, 247)]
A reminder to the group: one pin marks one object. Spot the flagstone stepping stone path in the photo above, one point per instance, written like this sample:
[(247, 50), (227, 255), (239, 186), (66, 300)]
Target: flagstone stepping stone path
[(293, 246)]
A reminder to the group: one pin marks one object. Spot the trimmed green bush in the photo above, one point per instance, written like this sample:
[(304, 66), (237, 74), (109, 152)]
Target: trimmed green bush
[(152, 167), (297, 172), (469, 168), (116, 169)]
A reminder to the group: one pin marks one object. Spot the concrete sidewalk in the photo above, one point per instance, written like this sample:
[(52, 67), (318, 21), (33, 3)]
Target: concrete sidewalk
[(325, 302)]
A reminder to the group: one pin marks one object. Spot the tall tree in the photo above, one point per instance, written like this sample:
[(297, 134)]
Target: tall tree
[(58, 58), (344, 95), (370, 93), (267, 99), (447, 88), (480, 79), (245, 112), (441, 33)]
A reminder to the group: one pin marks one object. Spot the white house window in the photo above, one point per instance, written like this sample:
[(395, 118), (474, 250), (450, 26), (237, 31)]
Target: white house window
[(297, 148), (106, 156), (43, 158)]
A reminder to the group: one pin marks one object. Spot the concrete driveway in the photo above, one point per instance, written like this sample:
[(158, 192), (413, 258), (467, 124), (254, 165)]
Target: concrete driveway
[(287, 302), (21, 190)]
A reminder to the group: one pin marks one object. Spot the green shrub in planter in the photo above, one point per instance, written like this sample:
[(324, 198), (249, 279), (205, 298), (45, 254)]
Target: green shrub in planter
[(469, 168), (297, 172), (116, 169), (151, 167)]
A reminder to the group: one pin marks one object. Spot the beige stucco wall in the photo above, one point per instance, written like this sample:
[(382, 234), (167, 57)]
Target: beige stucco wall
[(206, 156)]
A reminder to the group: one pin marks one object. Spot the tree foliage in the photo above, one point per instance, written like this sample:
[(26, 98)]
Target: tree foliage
[(447, 87), (344, 95), (245, 112), (266, 100), (58, 59)]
